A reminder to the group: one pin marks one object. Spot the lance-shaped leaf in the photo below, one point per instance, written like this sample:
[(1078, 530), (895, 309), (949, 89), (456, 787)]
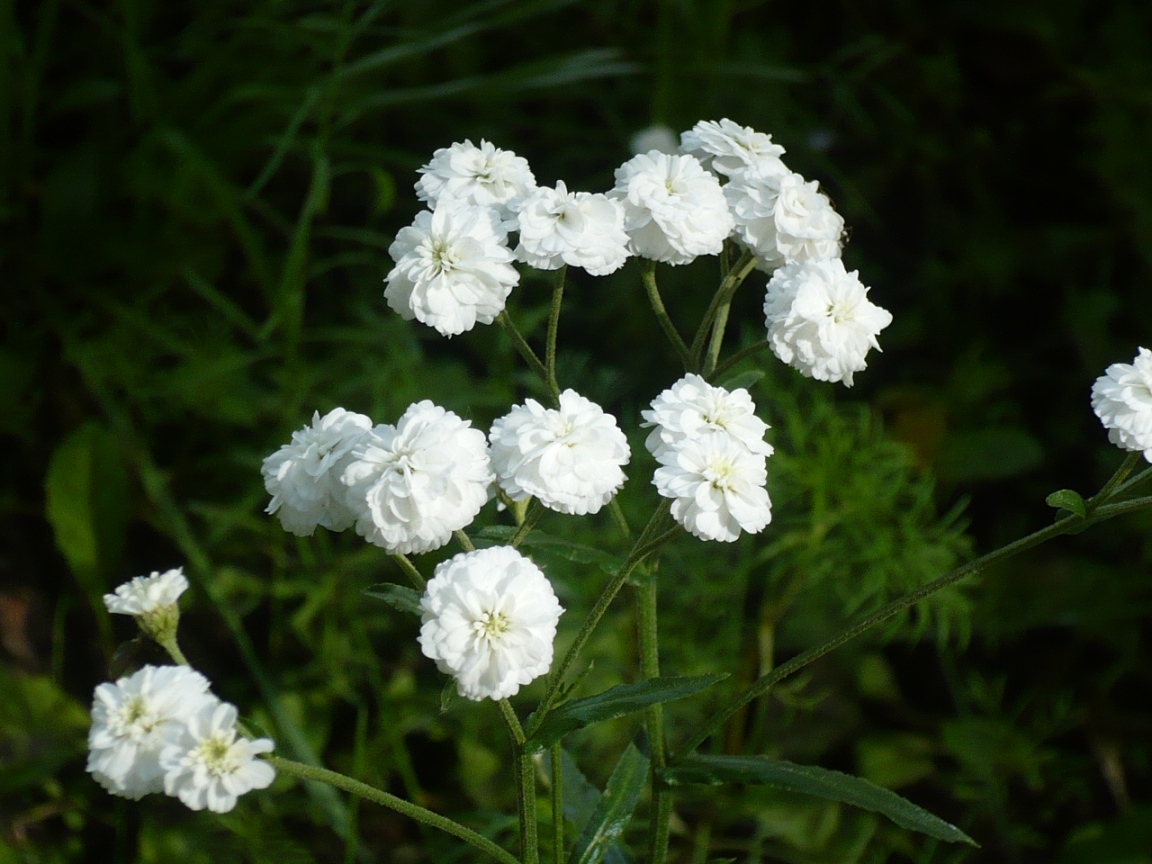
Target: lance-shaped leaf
[(547, 544), (614, 810), (397, 596), (810, 780), (580, 801), (615, 702)]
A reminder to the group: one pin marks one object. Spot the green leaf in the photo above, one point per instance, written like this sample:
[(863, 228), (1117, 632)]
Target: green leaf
[(614, 810), (87, 504), (811, 780), (397, 596), (580, 800), (550, 545), (615, 702), (1068, 500)]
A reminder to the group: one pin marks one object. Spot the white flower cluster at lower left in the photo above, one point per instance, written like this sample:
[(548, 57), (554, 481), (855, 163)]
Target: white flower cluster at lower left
[(161, 730)]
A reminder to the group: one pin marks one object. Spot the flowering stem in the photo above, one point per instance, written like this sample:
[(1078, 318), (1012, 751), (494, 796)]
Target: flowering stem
[(766, 682), (553, 328), (527, 524), (379, 796), (554, 757), (525, 786), (410, 571), (722, 298), (464, 541), (640, 550), (648, 274), (174, 651), (661, 811), (1126, 468), (525, 350), (738, 358)]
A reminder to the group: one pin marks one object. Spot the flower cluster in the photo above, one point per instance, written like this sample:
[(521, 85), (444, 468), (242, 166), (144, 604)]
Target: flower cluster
[(161, 730), (406, 487), (453, 265), (712, 454), (1122, 399)]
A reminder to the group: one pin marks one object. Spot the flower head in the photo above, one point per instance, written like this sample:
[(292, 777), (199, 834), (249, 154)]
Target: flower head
[(303, 477), (674, 210), (820, 320), (485, 176), (213, 767), (729, 148), (148, 594), (783, 219), (1122, 399), (570, 458), (453, 269), (716, 485), (489, 621), (581, 229), (692, 406), (134, 719), (415, 483)]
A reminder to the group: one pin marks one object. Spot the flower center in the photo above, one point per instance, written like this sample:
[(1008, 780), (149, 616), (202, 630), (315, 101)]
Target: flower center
[(840, 311), (136, 720), (442, 257), (720, 473), (216, 755), (492, 624)]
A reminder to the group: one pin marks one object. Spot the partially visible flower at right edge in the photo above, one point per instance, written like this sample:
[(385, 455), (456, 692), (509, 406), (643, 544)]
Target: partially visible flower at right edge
[(1122, 399), (303, 477)]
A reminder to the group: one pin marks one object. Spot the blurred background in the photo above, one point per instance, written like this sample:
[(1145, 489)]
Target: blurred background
[(196, 203)]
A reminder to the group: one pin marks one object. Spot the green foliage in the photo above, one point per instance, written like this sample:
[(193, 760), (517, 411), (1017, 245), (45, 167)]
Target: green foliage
[(197, 201)]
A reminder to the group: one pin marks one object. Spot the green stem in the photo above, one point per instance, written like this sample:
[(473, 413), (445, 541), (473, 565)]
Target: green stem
[(174, 651), (661, 811), (553, 329), (766, 682), (738, 358), (410, 571), (557, 793), (527, 525), (525, 786), (722, 297), (640, 549), (1120, 475), (525, 349), (379, 796), (648, 274), (464, 541)]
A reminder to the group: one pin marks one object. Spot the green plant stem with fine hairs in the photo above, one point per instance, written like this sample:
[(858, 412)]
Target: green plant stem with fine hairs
[(553, 330), (721, 299), (379, 796), (661, 808), (525, 786), (648, 275), (1065, 525)]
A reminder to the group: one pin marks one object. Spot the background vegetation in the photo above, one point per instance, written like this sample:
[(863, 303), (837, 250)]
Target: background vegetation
[(196, 202)]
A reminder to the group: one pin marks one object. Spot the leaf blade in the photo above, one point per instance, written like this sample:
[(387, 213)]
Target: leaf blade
[(614, 810)]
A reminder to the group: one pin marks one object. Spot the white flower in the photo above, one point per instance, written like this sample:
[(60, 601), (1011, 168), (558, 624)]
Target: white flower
[(729, 148), (415, 483), (659, 137), (580, 229), (303, 477), (783, 219), (134, 719), (692, 406), (453, 268), (486, 176), (571, 459), (214, 767), (674, 210), (145, 595), (489, 621), (716, 485), (1122, 399), (821, 321)]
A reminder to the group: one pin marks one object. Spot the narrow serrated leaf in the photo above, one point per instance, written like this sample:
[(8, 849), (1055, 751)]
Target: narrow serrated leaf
[(1068, 500), (580, 801), (614, 810), (397, 596), (616, 702), (815, 781)]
